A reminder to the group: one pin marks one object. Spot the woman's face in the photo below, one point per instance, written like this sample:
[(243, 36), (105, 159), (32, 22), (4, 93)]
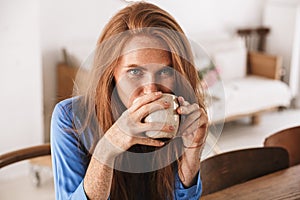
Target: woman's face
[(144, 67)]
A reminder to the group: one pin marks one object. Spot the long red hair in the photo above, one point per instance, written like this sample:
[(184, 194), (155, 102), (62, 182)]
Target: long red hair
[(101, 101)]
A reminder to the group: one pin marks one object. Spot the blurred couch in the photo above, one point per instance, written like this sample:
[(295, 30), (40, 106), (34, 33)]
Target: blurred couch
[(247, 84)]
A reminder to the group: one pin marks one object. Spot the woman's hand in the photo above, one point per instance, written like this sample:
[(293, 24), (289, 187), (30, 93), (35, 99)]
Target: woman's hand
[(193, 128), (127, 130)]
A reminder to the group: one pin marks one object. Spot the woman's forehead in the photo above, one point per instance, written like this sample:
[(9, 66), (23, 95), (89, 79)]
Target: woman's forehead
[(143, 57), (140, 42)]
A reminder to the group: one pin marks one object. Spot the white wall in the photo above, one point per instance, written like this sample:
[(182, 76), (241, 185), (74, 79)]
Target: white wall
[(208, 16), (33, 29), (71, 24), (283, 17), (21, 113), (78, 23)]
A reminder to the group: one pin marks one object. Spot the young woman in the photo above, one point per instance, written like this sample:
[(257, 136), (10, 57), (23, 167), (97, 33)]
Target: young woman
[(99, 149)]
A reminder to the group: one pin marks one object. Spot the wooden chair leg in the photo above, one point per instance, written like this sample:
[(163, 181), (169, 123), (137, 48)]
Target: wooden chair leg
[(35, 176), (255, 119)]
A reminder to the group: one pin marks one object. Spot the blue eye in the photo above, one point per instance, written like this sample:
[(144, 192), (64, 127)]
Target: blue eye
[(168, 71), (135, 72)]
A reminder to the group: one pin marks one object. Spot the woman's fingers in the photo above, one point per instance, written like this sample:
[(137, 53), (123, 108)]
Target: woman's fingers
[(182, 101), (196, 119), (130, 126), (197, 132), (194, 123), (187, 109), (148, 141), (146, 104), (190, 113), (145, 99), (191, 119), (145, 110), (157, 126), (130, 123)]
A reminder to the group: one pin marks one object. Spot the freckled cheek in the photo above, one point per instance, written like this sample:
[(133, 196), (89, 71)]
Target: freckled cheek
[(171, 84), (166, 85), (128, 91)]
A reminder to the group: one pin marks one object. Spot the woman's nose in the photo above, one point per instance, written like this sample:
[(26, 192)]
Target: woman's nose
[(150, 88), (149, 85)]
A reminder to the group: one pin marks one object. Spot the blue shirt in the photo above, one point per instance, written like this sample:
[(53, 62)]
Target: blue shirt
[(70, 158)]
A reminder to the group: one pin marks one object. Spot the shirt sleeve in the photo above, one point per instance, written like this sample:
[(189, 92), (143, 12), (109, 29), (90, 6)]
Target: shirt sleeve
[(191, 193), (68, 156)]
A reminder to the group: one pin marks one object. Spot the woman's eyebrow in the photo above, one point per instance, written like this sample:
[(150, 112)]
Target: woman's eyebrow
[(145, 67), (135, 66), (169, 65)]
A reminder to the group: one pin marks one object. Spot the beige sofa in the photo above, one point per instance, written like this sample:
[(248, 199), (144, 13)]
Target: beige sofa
[(249, 82)]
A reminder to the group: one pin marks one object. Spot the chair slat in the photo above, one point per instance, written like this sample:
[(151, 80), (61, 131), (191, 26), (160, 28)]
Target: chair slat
[(288, 139), (227, 169)]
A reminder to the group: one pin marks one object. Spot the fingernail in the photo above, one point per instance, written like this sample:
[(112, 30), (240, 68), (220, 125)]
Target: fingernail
[(162, 143), (157, 93), (181, 99), (181, 110)]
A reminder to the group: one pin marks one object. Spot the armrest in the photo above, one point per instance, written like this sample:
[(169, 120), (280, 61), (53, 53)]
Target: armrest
[(263, 64), (25, 153)]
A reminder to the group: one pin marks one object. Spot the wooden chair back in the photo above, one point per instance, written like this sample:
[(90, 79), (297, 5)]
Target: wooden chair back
[(288, 139), (227, 169), (24, 154), (255, 38)]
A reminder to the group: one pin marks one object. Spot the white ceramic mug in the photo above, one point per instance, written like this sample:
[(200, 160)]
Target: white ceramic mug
[(168, 116)]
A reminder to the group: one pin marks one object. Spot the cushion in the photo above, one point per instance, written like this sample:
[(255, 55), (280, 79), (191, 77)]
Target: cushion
[(231, 63), (257, 93), (249, 95)]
